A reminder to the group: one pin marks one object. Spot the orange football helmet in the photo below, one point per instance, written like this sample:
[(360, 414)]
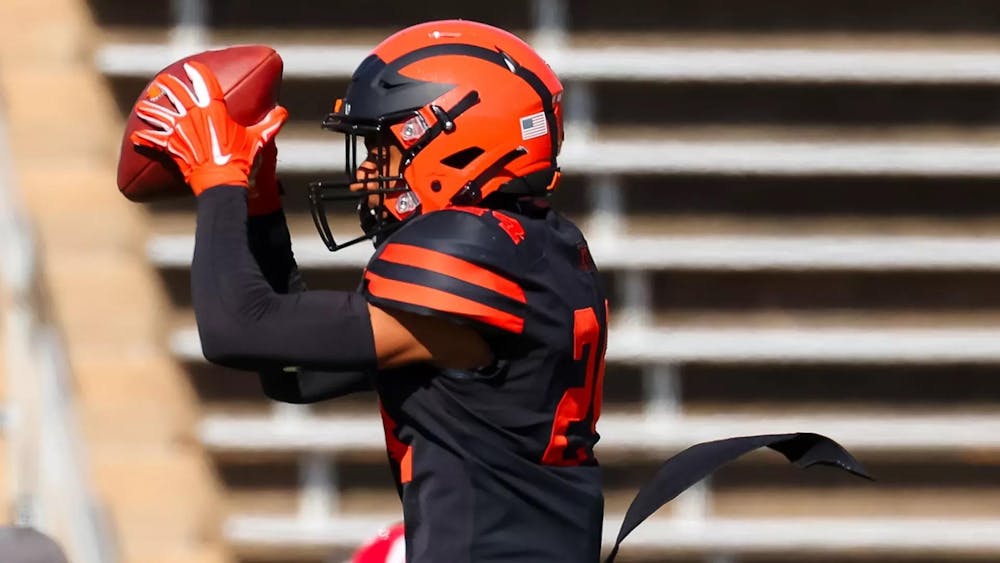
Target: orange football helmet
[(473, 109)]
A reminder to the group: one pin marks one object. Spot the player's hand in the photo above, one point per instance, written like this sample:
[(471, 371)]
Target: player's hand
[(208, 145)]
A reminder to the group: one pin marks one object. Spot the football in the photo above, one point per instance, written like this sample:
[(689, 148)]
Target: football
[(250, 76)]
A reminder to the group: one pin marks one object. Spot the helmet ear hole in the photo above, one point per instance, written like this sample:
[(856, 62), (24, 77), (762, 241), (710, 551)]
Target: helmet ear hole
[(462, 158)]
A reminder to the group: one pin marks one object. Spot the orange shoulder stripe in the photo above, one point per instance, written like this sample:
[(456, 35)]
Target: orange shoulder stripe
[(406, 467), (414, 294), (417, 257)]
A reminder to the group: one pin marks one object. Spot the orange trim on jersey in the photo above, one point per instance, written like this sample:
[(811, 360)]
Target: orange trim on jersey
[(396, 448), (477, 211), (511, 226), (438, 300), (406, 467), (409, 255)]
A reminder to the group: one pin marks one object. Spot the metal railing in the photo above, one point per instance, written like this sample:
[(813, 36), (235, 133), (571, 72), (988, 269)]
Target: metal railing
[(650, 63), (936, 539), (50, 486), (740, 253)]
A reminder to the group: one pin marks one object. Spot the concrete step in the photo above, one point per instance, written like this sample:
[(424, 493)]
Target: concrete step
[(885, 433), (160, 502), (138, 384), (799, 539), (136, 407), (772, 501), (700, 253), (652, 130), (183, 554), (100, 292), (777, 17), (720, 38), (649, 345), (731, 16), (177, 217), (758, 486), (957, 41), (666, 156), (752, 204), (731, 293), (857, 320), (700, 105), (6, 478), (662, 62), (4, 359), (710, 388), (857, 502)]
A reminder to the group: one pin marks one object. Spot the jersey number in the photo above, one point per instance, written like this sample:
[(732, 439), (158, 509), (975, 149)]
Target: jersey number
[(574, 428)]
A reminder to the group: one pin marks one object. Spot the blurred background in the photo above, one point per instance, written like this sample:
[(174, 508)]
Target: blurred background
[(793, 203)]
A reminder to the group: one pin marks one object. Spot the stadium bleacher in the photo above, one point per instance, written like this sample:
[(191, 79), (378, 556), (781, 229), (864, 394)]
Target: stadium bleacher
[(795, 209)]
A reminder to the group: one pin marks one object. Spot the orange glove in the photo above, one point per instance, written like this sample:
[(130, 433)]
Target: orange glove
[(210, 147)]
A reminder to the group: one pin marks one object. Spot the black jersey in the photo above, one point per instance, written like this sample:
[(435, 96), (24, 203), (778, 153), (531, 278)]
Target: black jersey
[(497, 464), (494, 464)]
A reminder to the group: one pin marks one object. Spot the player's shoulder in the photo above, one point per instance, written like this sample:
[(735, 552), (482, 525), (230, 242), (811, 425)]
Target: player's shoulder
[(460, 263), (480, 235), (474, 224)]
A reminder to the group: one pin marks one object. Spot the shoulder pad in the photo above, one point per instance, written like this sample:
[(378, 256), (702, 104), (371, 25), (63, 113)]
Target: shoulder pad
[(459, 263), (497, 230)]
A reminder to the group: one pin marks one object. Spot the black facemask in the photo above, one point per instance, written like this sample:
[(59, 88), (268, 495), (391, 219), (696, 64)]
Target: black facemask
[(375, 219)]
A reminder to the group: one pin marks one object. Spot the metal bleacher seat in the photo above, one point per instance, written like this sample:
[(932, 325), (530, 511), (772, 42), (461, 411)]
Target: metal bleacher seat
[(794, 209)]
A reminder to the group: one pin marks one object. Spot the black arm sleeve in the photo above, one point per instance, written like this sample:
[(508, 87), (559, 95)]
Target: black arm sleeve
[(271, 246), (245, 324)]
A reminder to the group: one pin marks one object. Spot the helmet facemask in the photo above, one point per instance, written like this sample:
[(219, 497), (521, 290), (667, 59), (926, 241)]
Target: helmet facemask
[(380, 199), (408, 132)]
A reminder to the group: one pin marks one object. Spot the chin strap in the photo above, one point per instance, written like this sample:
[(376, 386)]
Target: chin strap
[(472, 192), (535, 184)]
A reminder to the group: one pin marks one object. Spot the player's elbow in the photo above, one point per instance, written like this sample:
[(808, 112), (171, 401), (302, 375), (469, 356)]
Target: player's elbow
[(217, 349), (231, 330), (226, 344)]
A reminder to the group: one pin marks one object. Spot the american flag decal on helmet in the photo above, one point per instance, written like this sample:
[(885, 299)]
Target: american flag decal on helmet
[(534, 126)]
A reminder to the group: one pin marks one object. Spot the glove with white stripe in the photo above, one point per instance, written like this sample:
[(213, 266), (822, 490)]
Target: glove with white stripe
[(208, 145)]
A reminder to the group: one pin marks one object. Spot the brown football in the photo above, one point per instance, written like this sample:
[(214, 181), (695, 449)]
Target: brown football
[(250, 75)]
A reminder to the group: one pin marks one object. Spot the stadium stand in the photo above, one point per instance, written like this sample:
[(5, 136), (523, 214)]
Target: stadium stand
[(100, 449), (7, 303), (44, 479), (794, 205)]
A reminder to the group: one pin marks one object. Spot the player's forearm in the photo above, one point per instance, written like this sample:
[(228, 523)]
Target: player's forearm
[(271, 247), (245, 324)]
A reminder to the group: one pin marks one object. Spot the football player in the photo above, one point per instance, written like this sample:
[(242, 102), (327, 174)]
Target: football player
[(481, 320)]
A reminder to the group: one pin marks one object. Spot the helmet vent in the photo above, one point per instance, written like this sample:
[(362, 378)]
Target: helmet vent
[(462, 158), (509, 61)]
